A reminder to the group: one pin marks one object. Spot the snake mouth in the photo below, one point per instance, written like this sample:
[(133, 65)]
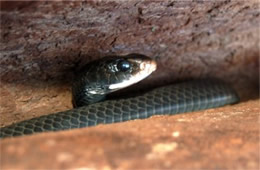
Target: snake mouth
[(149, 66)]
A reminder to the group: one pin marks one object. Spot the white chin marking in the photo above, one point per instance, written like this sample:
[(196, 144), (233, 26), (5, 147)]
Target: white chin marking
[(146, 70), (129, 82)]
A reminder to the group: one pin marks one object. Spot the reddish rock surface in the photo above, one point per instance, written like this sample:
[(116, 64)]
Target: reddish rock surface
[(42, 43)]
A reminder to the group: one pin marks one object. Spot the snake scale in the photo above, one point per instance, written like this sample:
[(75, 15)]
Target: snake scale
[(126, 70)]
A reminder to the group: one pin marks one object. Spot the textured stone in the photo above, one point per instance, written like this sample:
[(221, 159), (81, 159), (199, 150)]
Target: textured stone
[(42, 43)]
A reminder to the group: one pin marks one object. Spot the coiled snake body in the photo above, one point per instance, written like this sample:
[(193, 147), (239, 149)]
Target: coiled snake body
[(168, 100)]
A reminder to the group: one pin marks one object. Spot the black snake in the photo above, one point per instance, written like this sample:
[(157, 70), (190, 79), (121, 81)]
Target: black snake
[(109, 74)]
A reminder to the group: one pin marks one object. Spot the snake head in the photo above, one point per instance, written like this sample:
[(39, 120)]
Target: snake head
[(109, 74), (129, 70)]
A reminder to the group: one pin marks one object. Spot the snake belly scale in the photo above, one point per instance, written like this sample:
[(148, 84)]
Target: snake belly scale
[(168, 100)]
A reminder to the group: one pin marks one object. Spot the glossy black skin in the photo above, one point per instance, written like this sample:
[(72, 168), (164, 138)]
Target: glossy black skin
[(92, 81), (168, 100)]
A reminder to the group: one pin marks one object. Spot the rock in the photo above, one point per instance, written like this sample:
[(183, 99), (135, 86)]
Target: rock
[(43, 43)]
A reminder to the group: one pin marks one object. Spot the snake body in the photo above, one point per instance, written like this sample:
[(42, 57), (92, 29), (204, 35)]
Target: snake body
[(168, 100), (173, 99)]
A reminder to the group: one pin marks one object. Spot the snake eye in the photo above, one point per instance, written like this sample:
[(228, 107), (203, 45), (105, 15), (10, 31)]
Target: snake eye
[(123, 65)]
